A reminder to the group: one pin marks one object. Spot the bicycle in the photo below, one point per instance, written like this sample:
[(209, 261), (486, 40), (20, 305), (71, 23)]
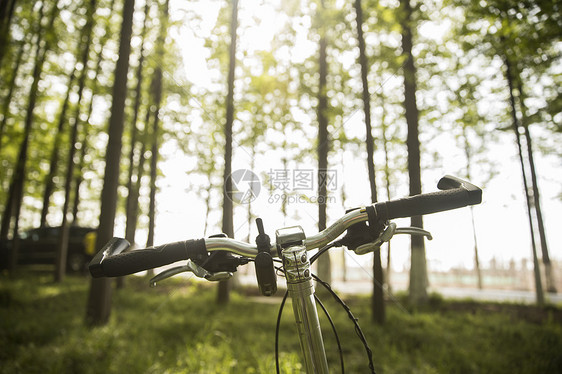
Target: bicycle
[(218, 257)]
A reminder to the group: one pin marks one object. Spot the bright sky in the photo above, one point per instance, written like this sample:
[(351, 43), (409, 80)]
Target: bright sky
[(501, 220)]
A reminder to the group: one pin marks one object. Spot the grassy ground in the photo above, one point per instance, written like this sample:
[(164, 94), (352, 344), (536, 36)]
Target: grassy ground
[(178, 328)]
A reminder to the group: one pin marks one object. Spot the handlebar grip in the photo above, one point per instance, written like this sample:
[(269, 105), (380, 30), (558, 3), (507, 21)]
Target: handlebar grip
[(110, 262), (456, 193)]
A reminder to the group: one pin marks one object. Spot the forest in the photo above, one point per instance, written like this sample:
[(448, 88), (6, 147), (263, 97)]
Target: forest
[(116, 113)]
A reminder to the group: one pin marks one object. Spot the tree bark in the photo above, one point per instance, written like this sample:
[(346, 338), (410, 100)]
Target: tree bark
[(227, 207), (54, 161), (133, 195), (10, 205), (6, 12), (418, 269), (15, 193), (387, 183), (132, 201), (86, 125), (377, 300), (157, 97), (468, 155), (324, 262), (515, 122), (9, 95), (549, 273), (98, 308), (62, 250)]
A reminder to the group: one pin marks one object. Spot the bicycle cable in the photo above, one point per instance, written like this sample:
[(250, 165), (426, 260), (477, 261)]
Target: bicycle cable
[(334, 330), (358, 330), (350, 315), (355, 321), (278, 325), (323, 250)]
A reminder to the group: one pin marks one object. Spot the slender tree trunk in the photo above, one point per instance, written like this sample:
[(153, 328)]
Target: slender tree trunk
[(86, 37), (418, 269), (324, 263), (53, 164), (81, 164), (284, 201), (152, 194), (10, 205), (15, 194), (8, 98), (6, 12), (387, 182), (154, 162), (468, 155), (250, 215), (62, 247), (207, 209), (86, 125), (227, 207), (157, 97), (377, 300), (99, 299), (131, 208), (343, 198), (515, 121), (549, 273), (132, 228), (132, 197)]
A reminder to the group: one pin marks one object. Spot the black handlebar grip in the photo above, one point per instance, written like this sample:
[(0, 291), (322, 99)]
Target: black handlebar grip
[(455, 193), (108, 264)]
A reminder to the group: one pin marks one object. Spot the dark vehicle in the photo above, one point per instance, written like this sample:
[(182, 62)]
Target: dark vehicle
[(39, 246)]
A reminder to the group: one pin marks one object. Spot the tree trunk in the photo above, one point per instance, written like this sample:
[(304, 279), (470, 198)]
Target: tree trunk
[(157, 83), (418, 269), (86, 125), (132, 197), (15, 193), (549, 275), (10, 205), (515, 121), (387, 182), (324, 263), (99, 298), (377, 300), (468, 155), (53, 164), (62, 250), (250, 215), (132, 202), (343, 198), (8, 98), (157, 97), (6, 12), (227, 207)]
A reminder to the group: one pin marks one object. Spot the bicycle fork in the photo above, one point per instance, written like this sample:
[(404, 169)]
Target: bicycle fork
[(301, 291)]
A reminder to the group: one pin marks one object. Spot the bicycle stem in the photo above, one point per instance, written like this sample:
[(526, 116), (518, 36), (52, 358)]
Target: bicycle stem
[(314, 241), (301, 291)]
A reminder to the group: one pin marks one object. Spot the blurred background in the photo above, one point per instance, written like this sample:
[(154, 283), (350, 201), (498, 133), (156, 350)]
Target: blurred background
[(458, 87)]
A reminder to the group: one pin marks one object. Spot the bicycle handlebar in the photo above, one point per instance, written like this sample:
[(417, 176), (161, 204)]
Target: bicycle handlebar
[(111, 262), (455, 193)]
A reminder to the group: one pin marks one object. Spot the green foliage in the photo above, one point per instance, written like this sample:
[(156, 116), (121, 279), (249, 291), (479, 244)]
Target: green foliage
[(459, 74), (177, 327)]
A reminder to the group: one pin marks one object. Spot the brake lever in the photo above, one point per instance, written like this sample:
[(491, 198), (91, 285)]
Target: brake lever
[(387, 234), (197, 270)]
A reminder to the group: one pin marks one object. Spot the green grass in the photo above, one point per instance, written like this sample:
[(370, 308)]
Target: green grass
[(178, 328)]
